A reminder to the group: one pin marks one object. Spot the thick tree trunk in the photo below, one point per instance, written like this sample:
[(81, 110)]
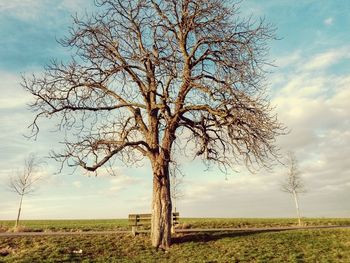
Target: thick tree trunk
[(161, 206)]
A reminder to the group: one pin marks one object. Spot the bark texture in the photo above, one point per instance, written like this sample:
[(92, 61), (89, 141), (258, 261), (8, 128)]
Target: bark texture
[(161, 207)]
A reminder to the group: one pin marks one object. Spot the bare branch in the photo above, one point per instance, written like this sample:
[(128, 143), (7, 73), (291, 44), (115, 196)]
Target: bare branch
[(293, 182), (23, 183)]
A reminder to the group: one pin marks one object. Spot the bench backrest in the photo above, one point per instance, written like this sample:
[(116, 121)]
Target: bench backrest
[(145, 219)]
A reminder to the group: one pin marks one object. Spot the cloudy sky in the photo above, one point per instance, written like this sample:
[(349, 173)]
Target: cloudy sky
[(310, 88)]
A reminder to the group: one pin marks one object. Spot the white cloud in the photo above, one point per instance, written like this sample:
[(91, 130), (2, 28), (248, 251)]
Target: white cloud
[(315, 106), (328, 21), (237, 184), (121, 182), (242, 195)]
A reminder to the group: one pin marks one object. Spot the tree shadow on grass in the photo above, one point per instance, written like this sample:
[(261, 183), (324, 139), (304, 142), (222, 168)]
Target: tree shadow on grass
[(212, 236)]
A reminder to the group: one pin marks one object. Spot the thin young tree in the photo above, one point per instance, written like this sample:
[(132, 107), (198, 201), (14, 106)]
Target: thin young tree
[(293, 183), (176, 183), (148, 74), (24, 183)]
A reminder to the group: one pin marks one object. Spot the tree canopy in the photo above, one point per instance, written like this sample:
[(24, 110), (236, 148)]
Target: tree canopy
[(147, 76)]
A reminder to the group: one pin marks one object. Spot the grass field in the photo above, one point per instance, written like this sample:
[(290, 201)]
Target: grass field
[(67, 225), (289, 246), (122, 224), (323, 245)]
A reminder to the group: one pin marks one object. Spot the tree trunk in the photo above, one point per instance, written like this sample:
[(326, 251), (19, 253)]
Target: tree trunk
[(297, 206), (161, 206), (19, 212)]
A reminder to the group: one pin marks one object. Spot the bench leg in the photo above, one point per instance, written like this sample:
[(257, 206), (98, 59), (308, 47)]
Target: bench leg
[(134, 230)]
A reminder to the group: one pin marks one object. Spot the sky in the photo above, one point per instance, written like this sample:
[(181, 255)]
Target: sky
[(309, 88)]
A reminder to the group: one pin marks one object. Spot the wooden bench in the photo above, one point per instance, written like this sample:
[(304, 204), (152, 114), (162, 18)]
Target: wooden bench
[(137, 220)]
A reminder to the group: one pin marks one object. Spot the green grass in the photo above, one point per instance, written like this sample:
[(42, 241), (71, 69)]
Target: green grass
[(261, 222), (325, 245), (67, 225), (122, 224)]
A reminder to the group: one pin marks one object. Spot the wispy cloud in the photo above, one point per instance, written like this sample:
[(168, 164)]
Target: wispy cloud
[(22, 9), (76, 5), (121, 182), (327, 59), (33, 9), (12, 95), (77, 184), (289, 59)]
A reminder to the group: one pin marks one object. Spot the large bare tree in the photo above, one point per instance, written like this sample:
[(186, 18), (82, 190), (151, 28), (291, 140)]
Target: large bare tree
[(24, 182), (147, 75), (293, 183)]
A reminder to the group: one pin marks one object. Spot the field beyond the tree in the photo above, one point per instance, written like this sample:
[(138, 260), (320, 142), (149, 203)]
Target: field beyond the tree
[(311, 245)]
